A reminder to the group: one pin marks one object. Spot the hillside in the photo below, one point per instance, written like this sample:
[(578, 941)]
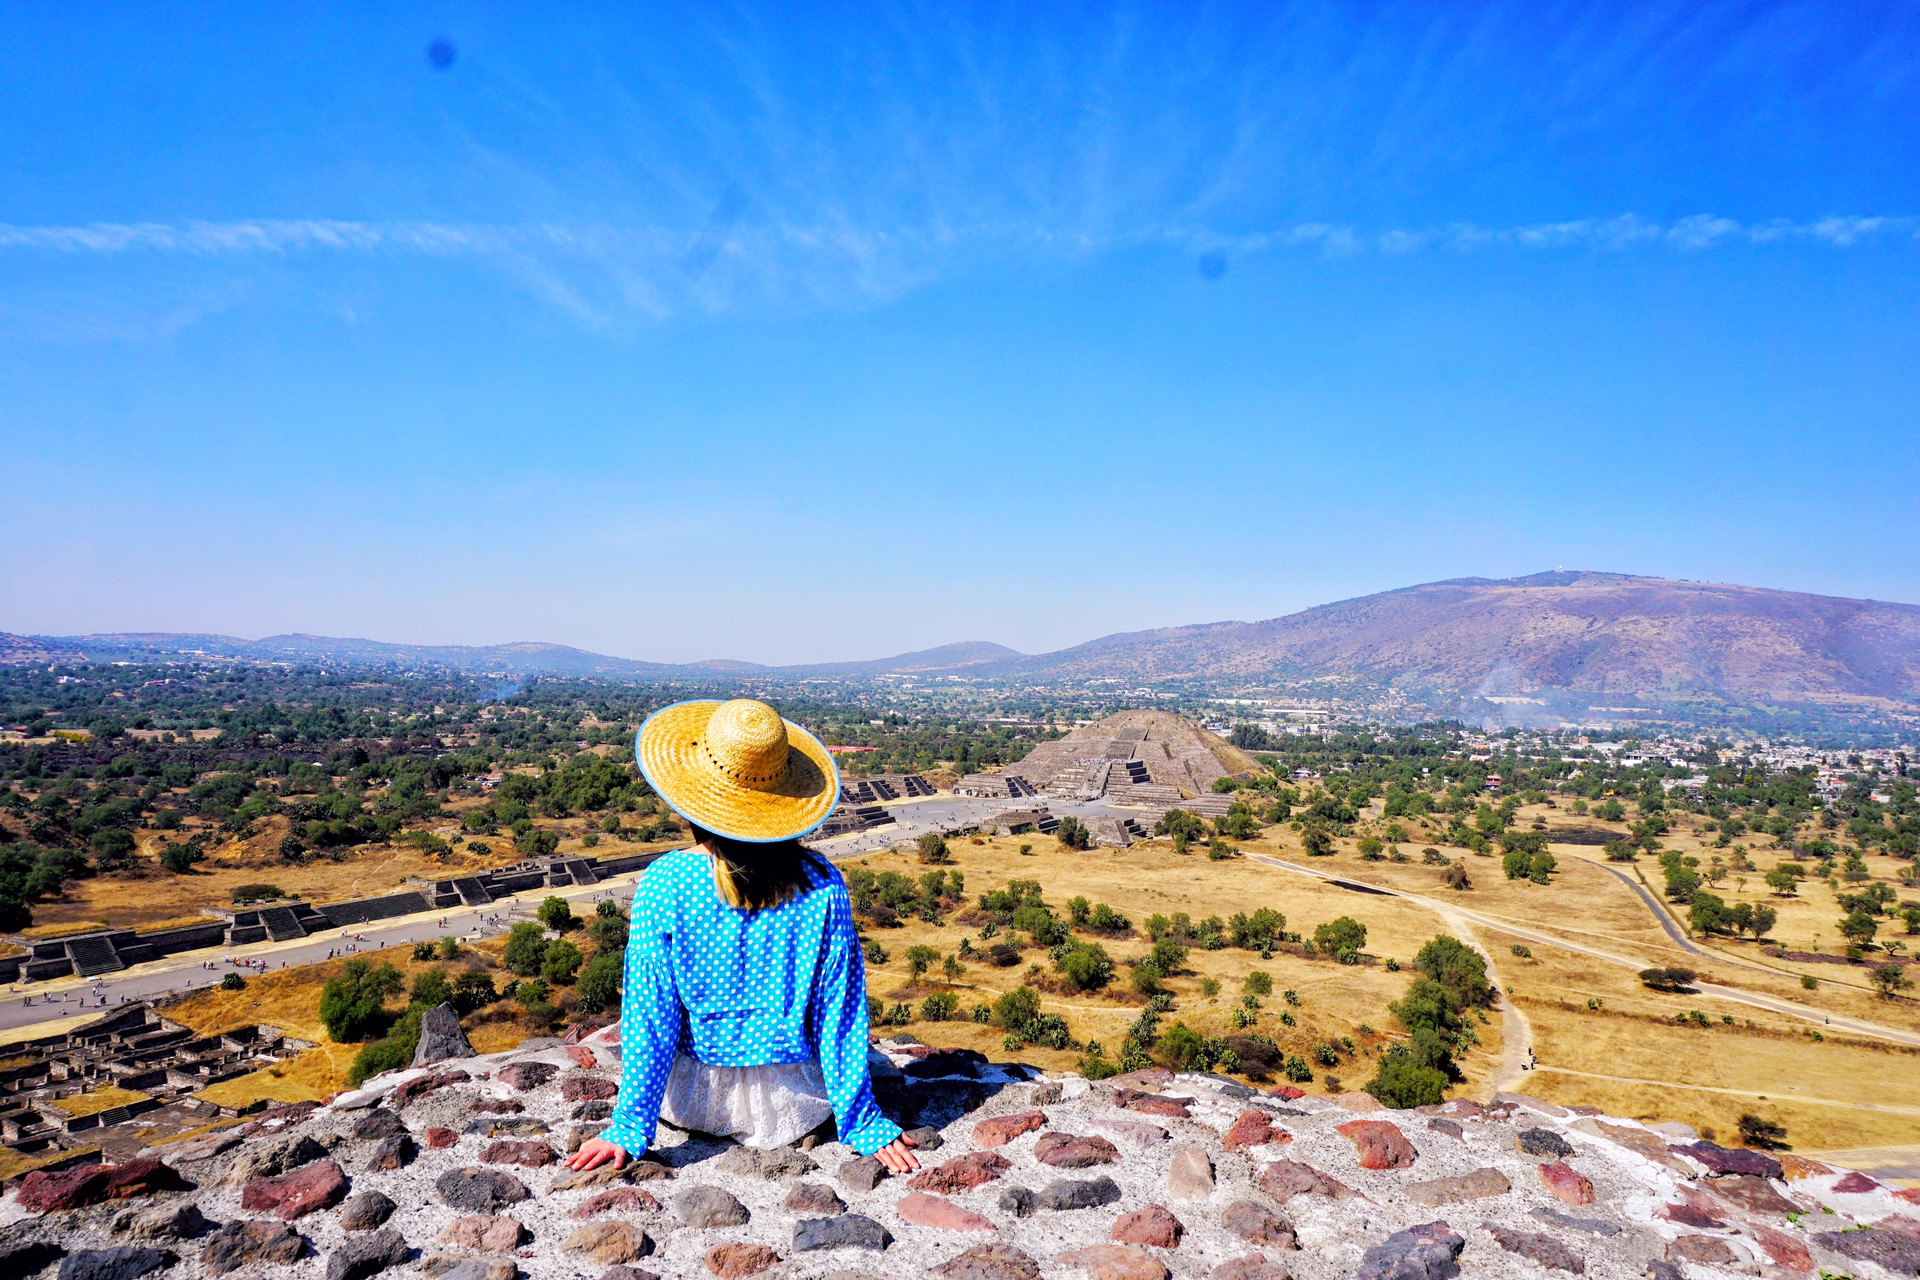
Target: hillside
[(1594, 635)]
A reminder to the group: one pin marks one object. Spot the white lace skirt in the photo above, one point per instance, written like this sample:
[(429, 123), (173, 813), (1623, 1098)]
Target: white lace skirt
[(756, 1106)]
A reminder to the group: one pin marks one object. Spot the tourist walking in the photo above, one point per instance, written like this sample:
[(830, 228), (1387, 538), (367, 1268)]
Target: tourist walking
[(744, 1009)]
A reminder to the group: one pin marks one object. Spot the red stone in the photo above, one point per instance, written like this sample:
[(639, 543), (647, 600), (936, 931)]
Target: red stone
[(588, 1088), (736, 1261), (439, 1139), (1786, 1250), (1117, 1262), (933, 1211), (1152, 1104), (90, 1184), (1070, 1151), (319, 1185), (1152, 1225), (582, 1055), (1287, 1091), (1380, 1143), (1254, 1128), (533, 1155), (1001, 1130), (420, 1086), (1284, 1179), (1856, 1184), (624, 1199), (1356, 1101), (1565, 1182), (962, 1173)]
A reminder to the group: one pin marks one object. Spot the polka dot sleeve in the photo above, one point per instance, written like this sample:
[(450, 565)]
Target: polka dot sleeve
[(839, 1018), (651, 1019)]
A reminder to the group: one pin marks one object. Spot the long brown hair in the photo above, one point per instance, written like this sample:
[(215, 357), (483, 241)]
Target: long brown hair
[(752, 876)]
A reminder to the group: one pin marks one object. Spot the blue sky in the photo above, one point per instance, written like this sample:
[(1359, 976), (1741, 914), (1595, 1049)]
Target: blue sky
[(799, 333)]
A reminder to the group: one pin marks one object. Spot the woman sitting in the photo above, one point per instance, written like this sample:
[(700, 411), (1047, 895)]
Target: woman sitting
[(744, 1009)]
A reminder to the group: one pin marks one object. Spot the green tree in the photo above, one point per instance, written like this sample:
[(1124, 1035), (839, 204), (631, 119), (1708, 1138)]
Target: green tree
[(473, 990), (1890, 980), (430, 988), (352, 1003), (1073, 834), (179, 858), (1783, 881), (939, 1007), (1182, 1048), (919, 959), (526, 948), (557, 915), (1610, 810), (933, 849), (1457, 967), (1317, 840), (1401, 1081), (1016, 1010), (561, 962), (598, 986), (1341, 936), (1859, 928), (1087, 967)]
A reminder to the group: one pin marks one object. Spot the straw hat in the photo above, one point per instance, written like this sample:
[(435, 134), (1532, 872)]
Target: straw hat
[(738, 769)]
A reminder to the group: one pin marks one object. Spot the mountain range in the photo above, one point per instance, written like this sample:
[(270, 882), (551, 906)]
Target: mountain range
[(1561, 642)]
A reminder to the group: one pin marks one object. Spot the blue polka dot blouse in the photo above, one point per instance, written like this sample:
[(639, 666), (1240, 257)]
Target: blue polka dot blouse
[(737, 988)]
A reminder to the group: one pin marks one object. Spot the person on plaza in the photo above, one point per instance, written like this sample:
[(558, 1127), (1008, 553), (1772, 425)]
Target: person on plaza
[(744, 1009)]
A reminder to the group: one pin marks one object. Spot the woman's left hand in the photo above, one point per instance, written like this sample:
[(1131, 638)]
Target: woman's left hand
[(595, 1152), (898, 1155)]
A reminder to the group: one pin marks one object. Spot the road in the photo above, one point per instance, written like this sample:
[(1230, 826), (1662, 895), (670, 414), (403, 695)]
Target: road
[(71, 1000), (1773, 1004)]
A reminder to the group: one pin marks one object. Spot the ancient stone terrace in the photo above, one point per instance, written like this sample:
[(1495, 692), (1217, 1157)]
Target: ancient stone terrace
[(883, 786), (108, 950), (133, 1048), (450, 1170)]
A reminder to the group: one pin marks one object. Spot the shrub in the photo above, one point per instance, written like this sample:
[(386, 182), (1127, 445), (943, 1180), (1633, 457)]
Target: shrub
[(423, 951), (557, 915), (1146, 977), (250, 893), (1765, 1135), (526, 948), (940, 1006), (561, 962), (179, 858), (1673, 978), (472, 991), (1257, 932), (1014, 1010), (379, 1058), (1402, 1082), (1456, 877), (1104, 919), (1181, 1047), (1522, 950), (1340, 936), (598, 985), (1434, 858), (1258, 982), (1003, 955), (352, 1003), (233, 982), (1072, 834), (430, 988), (933, 851), (1209, 987), (1087, 967)]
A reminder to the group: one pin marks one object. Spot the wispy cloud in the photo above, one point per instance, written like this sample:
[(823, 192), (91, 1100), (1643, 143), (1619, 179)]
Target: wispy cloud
[(597, 271)]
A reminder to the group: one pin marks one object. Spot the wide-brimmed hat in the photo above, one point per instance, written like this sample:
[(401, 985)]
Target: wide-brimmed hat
[(738, 769)]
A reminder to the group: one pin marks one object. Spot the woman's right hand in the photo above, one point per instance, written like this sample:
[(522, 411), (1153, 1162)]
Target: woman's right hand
[(898, 1155), (595, 1152)]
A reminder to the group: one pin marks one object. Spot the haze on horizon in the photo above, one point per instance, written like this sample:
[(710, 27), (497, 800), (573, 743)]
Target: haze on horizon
[(789, 339)]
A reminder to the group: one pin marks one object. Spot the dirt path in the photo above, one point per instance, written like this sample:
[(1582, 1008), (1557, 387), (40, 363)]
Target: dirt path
[(1773, 1004)]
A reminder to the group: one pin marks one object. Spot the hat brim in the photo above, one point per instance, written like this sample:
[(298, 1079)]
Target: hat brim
[(668, 751)]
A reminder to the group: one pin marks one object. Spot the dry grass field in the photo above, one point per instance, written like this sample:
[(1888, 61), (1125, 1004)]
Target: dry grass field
[(290, 999), (1335, 1000)]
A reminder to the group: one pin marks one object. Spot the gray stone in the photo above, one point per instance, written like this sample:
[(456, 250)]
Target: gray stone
[(1018, 1201), (863, 1173), (815, 1199), (271, 1159), (1540, 1247), (1046, 1093), (1250, 1267), (1449, 1127), (625, 1272), (709, 1207), (167, 1222), (24, 1257), (377, 1124), (113, 1264), (441, 1037), (846, 1231), (1658, 1270), (506, 1126), (1078, 1193), (1257, 1224), (1544, 1143), (1429, 1251), (445, 1268), (988, 1262), (592, 1109), (751, 1162), (1893, 1250), (480, 1190), (396, 1152), (243, 1243), (365, 1210), (368, 1255), (1594, 1226), (926, 1139)]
